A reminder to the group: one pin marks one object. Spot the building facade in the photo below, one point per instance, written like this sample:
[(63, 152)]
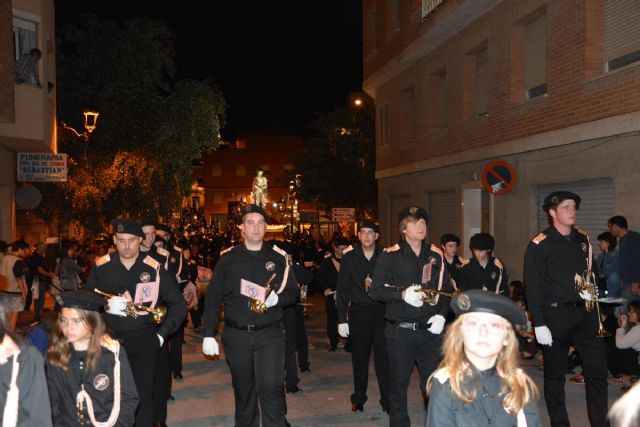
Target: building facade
[(550, 87), (27, 112)]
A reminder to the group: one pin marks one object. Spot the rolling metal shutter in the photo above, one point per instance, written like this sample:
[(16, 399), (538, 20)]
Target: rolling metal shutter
[(443, 215), (595, 209), (621, 28)]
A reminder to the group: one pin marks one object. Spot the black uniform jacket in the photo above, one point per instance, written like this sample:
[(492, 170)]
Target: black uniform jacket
[(99, 384), (474, 276), (455, 269), (151, 282), (399, 266), (446, 410), (257, 267), (354, 270), (551, 263), (327, 275)]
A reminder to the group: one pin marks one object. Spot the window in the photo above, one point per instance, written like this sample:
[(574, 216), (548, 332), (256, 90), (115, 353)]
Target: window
[(216, 171), (406, 126), (482, 82), (535, 57), (621, 33), (370, 36), (393, 17), (241, 170), (25, 36), (383, 125)]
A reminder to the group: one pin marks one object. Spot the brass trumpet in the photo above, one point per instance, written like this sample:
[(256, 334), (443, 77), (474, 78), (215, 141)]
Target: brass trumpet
[(260, 307), (429, 294), (587, 283), (158, 313)]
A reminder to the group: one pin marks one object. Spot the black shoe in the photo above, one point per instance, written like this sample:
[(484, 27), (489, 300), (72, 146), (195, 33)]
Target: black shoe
[(332, 347), (305, 369), (159, 424), (171, 397), (293, 389), (385, 409), (287, 423), (178, 376), (357, 407)]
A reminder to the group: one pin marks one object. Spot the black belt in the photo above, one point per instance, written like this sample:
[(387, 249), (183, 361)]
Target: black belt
[(251, 328), (413, 326), (579, 303)]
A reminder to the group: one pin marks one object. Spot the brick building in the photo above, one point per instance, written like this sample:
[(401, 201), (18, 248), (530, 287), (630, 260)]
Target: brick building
[(551, 87)]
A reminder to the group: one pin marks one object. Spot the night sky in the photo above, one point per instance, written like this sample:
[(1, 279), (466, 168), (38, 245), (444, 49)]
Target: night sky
[(276, 62)]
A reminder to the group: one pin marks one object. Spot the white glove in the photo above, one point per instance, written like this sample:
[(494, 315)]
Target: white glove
[(343, 330), (161, 339), (543, 335), (586, 295), (437, 324), (272, 299), (210, 346), (412, 297), (117, 306)]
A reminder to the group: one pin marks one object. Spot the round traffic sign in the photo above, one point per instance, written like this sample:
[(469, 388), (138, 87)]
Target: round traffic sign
[(498, 177)]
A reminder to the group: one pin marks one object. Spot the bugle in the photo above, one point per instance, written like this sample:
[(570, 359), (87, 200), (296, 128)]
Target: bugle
[(159, 313), (587, 284), (258, 306), (429, 296)]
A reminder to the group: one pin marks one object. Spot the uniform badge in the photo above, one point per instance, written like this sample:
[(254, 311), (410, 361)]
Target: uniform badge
[(145, 277), (101, 382), (493, 275), (464, 302), (584, 247), (120, 228), (555, 200), (270, 266), (173, 260), (413, 210)]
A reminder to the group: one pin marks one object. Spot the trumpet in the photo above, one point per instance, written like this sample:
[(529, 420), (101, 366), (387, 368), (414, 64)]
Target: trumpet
[(587, 283), (260, 307), (158, 313), (429, 296)]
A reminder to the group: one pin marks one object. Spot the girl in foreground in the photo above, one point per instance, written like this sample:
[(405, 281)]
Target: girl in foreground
[(478, 383), (90, 380)]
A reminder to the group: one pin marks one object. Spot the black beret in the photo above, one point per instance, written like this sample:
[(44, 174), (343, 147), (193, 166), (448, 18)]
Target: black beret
[(159, 239), (163, 227), (127, 226), (247, 209), (340, 241), (479, 301), (483, 242), (448, 237), (367, 223), (414, 211), (81, 298), (145, 222), (557, 197)]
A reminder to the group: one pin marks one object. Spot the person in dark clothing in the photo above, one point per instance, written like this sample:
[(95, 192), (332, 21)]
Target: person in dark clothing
[(454, 262), (479, 382), (361, 318), (327, 278), (304, 276), (554, 261), (629, 254), (132, 277), (484, 271), (254, 342), (38, 269), (88, 373), (413, 326)]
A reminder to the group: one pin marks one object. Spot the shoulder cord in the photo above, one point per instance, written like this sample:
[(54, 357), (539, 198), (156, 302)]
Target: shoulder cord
[(115, 411), (10, 414)]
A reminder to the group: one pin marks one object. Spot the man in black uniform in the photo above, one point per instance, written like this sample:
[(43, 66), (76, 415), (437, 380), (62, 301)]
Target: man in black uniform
[(327, 278), (413, 326), (141, 279), (484, 271), (362, 318), (450, 244), (254, 343), (554, 261)]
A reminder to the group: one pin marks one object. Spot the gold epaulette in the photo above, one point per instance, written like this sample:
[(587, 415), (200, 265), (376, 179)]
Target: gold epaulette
[(582, 231), (437, 250), (280, 251), (539, 238), (226, 250), (177, 248), (328, 255), (151, 262), (347, 249), (163, 252), (109, 343), (393, 248), (103, 260)]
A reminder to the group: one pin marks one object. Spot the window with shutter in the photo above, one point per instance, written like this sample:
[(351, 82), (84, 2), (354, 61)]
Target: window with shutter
[(482, 82), (621, 33), (535, 57)]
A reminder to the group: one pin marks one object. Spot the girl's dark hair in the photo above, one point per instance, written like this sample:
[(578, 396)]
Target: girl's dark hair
[(608, 237)]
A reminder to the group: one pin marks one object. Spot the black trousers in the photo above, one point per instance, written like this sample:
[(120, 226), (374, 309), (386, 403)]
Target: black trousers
[(406, 348), (578, 327), (256, 361), (302, 341), (175, 349), (332, 320), (290, 367), (142, 347), (366, 330), (161, 384)]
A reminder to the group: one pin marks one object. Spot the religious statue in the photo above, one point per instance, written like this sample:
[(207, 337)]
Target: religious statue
[(259, 189)]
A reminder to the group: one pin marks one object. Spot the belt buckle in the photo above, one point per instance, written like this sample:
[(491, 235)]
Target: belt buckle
[(554, 304), (251, 328), (414, 326)]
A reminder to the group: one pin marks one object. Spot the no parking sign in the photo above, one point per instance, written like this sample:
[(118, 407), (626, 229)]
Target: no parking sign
[(498, 177)]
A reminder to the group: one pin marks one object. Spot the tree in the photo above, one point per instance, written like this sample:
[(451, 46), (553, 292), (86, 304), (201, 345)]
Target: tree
[(337, 162), (151, 125)]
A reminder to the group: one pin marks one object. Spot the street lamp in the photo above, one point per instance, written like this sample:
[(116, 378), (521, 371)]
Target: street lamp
[(90, 120)]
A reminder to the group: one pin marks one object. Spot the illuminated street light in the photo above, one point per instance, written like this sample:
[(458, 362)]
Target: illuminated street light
[(90, 120), (357, 102)]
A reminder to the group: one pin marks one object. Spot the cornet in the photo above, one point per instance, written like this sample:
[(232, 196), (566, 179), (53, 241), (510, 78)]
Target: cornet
[(587, 283), (429, 296), (260, 307), (158, 313)]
